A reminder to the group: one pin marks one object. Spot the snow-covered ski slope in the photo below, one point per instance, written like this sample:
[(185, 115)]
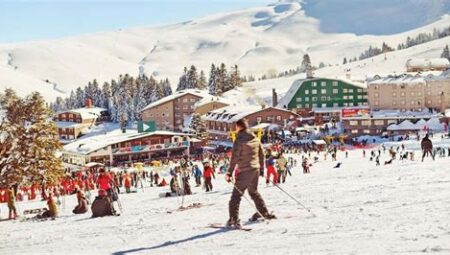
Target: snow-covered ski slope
[(263, 39), (357, 209)]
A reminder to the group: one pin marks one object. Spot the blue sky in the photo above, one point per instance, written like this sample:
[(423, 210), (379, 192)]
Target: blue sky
[(25, 20)]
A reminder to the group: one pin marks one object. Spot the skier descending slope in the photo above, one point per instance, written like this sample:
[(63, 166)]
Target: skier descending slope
[(248, 155)]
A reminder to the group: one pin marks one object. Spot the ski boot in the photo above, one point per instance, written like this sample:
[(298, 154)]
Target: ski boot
[(257, 216), (234, 223)]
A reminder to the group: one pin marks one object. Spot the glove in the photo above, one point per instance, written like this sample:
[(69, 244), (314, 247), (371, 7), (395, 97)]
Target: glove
[(228, 177)]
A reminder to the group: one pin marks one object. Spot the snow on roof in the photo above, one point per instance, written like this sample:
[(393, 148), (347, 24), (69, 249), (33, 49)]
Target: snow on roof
[(232, 114), (397, 114), (94, 143), (319, 142), (86, 113), (296, 85), (428, 63), (196, 92), (435, 124), (210, 98), (401, 79)]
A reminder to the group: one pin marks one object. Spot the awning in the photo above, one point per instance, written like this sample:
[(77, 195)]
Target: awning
[(319, 142)]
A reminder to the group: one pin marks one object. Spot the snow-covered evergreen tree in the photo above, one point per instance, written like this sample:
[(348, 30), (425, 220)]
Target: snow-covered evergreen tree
[(235, 77), (445, 53), (306, 64), (79, 98), (222, 79), (212, 83), (192, 81), (167, 88), (182, 83), (105, 96), (202, 84), (198, 126)]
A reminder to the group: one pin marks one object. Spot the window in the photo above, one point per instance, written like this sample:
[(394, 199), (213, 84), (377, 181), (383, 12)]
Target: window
[(377, 103), (365, 123), (413, 102), (360, 97), (323, 91), (377, 94), (314, 99), (163, 115), (354, 131), (350, 90), (394, 94), (366, 131), (193, 100), (299, 106), (323, 98), (185, 100), (324, 105), (306, 105), (353, 123), (345, 97), (306, 92), (403, 102), (185, 107), (269, 118), (419, 94), (314, 105), (314, 84), (306, 99), (314, 91), (429, 101), (178, 121), (394, 103), (335, 83), (412, 93), (335, 91), (403, 94), (258, 119), (323, 84), (345, 90), (360, 90), (298, 99), (335, 105), (278, 118), (192, 107), (345, 104), (350, 97), (378, 122)]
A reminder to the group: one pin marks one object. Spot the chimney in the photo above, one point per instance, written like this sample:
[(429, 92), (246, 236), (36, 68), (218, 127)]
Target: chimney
[(274, 98), (88, 103)]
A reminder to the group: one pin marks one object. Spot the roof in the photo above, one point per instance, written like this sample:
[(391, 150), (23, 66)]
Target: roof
[(401, 79), (297, 84), (231, 114), (94, 143), (195, 92), (211, 99), (86, 113), (428, 62), (396, 114), (336, 109)]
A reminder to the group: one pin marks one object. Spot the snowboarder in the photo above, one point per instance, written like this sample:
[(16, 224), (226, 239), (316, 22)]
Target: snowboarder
[(248, 155), (208, 173), (427, 147)]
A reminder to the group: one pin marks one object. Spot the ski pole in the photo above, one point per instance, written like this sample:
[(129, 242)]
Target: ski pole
[(289, 195)]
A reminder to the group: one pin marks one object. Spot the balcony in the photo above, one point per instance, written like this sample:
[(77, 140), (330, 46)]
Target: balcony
[(150, 148)]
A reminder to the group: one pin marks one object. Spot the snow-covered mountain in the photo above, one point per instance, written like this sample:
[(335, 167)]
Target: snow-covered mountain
[(262, 39)]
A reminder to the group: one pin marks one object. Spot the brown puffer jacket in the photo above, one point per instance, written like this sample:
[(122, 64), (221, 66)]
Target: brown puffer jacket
[(427, 145), (102, 206), (247, 153)]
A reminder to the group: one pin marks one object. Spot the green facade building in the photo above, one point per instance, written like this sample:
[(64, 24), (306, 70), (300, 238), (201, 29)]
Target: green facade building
[(324, 93)]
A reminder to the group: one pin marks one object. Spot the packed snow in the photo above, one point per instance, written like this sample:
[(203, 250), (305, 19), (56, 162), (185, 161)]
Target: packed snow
[(358, 208)]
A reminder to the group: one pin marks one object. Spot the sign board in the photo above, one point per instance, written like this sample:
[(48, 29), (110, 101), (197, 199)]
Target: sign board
[(146, 126), (355, 112)]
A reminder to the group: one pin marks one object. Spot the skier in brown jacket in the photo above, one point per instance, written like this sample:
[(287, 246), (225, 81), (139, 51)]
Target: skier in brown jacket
[(248, 155)]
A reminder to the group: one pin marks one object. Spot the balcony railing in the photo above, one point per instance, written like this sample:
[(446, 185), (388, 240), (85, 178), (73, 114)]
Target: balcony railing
[(149, 148)]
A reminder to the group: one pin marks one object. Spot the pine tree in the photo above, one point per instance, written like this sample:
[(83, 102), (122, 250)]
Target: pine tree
[(235, 77), (306, 64), (167, 88), (79, 98), (222, 79), (445, 53), (182, 84), (105, 96), (212, 83), (202, 81), (192, 81), (345, 61), (198, 126), (29, 142)]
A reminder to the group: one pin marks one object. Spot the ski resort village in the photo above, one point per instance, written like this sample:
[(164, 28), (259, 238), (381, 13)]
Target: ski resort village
[(262, 130)]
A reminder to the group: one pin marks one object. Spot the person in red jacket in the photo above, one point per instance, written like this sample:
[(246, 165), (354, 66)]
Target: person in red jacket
[(104, 182), (208, 173), (127, 182)]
